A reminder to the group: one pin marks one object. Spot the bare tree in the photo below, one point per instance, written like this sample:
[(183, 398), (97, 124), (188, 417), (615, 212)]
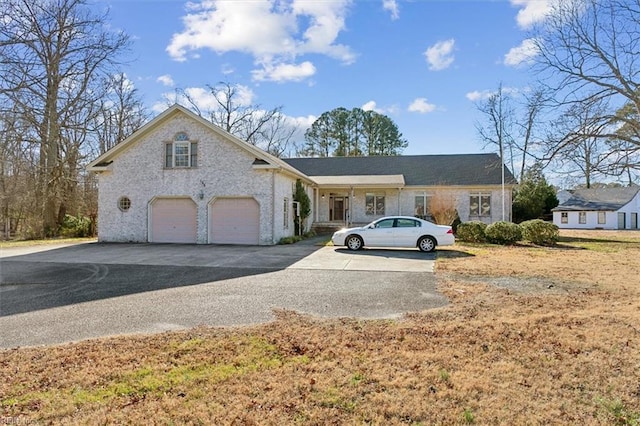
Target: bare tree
[(588, 54), (54, 58), (498, 129), (120, 114), (277, 135), (534, 105), (233, 112), (578, 151), (17, 176)]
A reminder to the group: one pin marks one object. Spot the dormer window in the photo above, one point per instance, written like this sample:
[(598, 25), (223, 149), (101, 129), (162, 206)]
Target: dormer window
[(181, 153)]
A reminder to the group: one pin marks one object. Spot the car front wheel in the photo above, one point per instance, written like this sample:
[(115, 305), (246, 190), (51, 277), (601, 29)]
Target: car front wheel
[(427, 244), (354, 242)]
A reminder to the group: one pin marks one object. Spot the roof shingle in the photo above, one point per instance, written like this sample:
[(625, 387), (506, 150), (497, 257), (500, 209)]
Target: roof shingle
[(599, 199), (418, 170)]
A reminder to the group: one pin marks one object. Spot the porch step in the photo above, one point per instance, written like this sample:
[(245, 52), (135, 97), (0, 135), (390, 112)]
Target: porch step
[(326, 228)]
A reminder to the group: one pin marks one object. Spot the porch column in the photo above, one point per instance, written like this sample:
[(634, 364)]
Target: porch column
[(316, 203), (351, 202)]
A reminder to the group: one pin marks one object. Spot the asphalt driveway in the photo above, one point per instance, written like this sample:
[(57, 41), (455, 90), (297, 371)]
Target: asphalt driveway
[(57, 294)]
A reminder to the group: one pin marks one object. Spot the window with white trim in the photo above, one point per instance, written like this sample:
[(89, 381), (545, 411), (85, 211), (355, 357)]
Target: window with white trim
[(374, 204), (602, 218), (181, 153), (421, 206), (582, 218), (564, 217), (480, 205)]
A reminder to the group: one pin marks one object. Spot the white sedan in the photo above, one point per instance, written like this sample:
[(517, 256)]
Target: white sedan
[(396, 231)]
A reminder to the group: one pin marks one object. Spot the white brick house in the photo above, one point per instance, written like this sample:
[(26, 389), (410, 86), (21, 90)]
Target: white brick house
[(361, 189), (181, 179)]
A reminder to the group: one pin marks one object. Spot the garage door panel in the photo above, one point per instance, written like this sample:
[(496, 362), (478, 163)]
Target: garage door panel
[(235, 221), (173, 220)]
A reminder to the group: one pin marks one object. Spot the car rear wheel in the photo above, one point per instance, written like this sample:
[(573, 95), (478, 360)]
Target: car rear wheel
[(354, 242), (427, 244)]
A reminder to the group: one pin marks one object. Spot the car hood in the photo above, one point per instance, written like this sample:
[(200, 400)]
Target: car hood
[(346, 230)]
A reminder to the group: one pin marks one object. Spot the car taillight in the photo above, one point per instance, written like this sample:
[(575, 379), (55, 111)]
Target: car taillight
[(450, 231)]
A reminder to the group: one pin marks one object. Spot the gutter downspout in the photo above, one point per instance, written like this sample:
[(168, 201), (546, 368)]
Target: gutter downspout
[(273, 206)]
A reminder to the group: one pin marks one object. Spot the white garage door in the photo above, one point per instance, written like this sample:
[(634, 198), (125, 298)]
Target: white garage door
[(173, 220), (235, 221)]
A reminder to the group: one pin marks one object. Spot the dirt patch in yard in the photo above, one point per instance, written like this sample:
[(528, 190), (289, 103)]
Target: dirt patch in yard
[(532, 336)]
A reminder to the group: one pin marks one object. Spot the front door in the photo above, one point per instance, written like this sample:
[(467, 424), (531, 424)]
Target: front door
[(622, 219), (337, 208)]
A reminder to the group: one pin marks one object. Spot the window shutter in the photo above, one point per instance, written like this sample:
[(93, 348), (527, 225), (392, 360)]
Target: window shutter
[(194, 154), (168, 155)]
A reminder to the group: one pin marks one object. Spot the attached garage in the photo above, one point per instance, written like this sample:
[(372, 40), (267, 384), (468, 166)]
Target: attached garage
[(173, 220), (234, 221)]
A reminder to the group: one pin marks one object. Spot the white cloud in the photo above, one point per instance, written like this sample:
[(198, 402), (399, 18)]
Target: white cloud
[(440, 56), (422, 106), (303, 122), (227, 69), (392, 7), (203, 98), (373, 106), (166, 80), (284, 72), (477, 95), (369, 106), (274, 32), (531, 12), (481, 95), (522, 54)]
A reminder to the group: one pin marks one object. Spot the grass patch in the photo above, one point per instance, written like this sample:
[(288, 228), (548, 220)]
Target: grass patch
[(27, 243), (566, 355)]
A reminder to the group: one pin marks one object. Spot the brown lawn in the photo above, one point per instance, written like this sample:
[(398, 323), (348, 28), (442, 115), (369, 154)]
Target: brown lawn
[(532, 336)]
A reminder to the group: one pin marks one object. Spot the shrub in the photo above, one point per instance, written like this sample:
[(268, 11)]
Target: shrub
[(75, 227), (503, 233), (540, 232), (297, 238), (442, 207), (472, 232), (290, 240)]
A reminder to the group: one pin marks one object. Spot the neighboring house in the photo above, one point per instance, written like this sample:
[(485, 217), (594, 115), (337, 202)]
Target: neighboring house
[(602, 208), (181, 179), (564, 195)]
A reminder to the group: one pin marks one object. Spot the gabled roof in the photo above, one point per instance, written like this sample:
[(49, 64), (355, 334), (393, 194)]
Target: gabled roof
[(609, 199), (418, 170), (262, 158)]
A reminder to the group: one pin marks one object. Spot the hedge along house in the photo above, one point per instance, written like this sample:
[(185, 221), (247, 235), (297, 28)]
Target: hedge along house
[(602, 208), (181, 179), (356, 190)]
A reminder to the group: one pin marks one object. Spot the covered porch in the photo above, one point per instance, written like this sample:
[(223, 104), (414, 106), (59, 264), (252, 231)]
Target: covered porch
[(345, 201)]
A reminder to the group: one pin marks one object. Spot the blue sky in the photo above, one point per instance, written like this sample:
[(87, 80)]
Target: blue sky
[(423, 63)]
